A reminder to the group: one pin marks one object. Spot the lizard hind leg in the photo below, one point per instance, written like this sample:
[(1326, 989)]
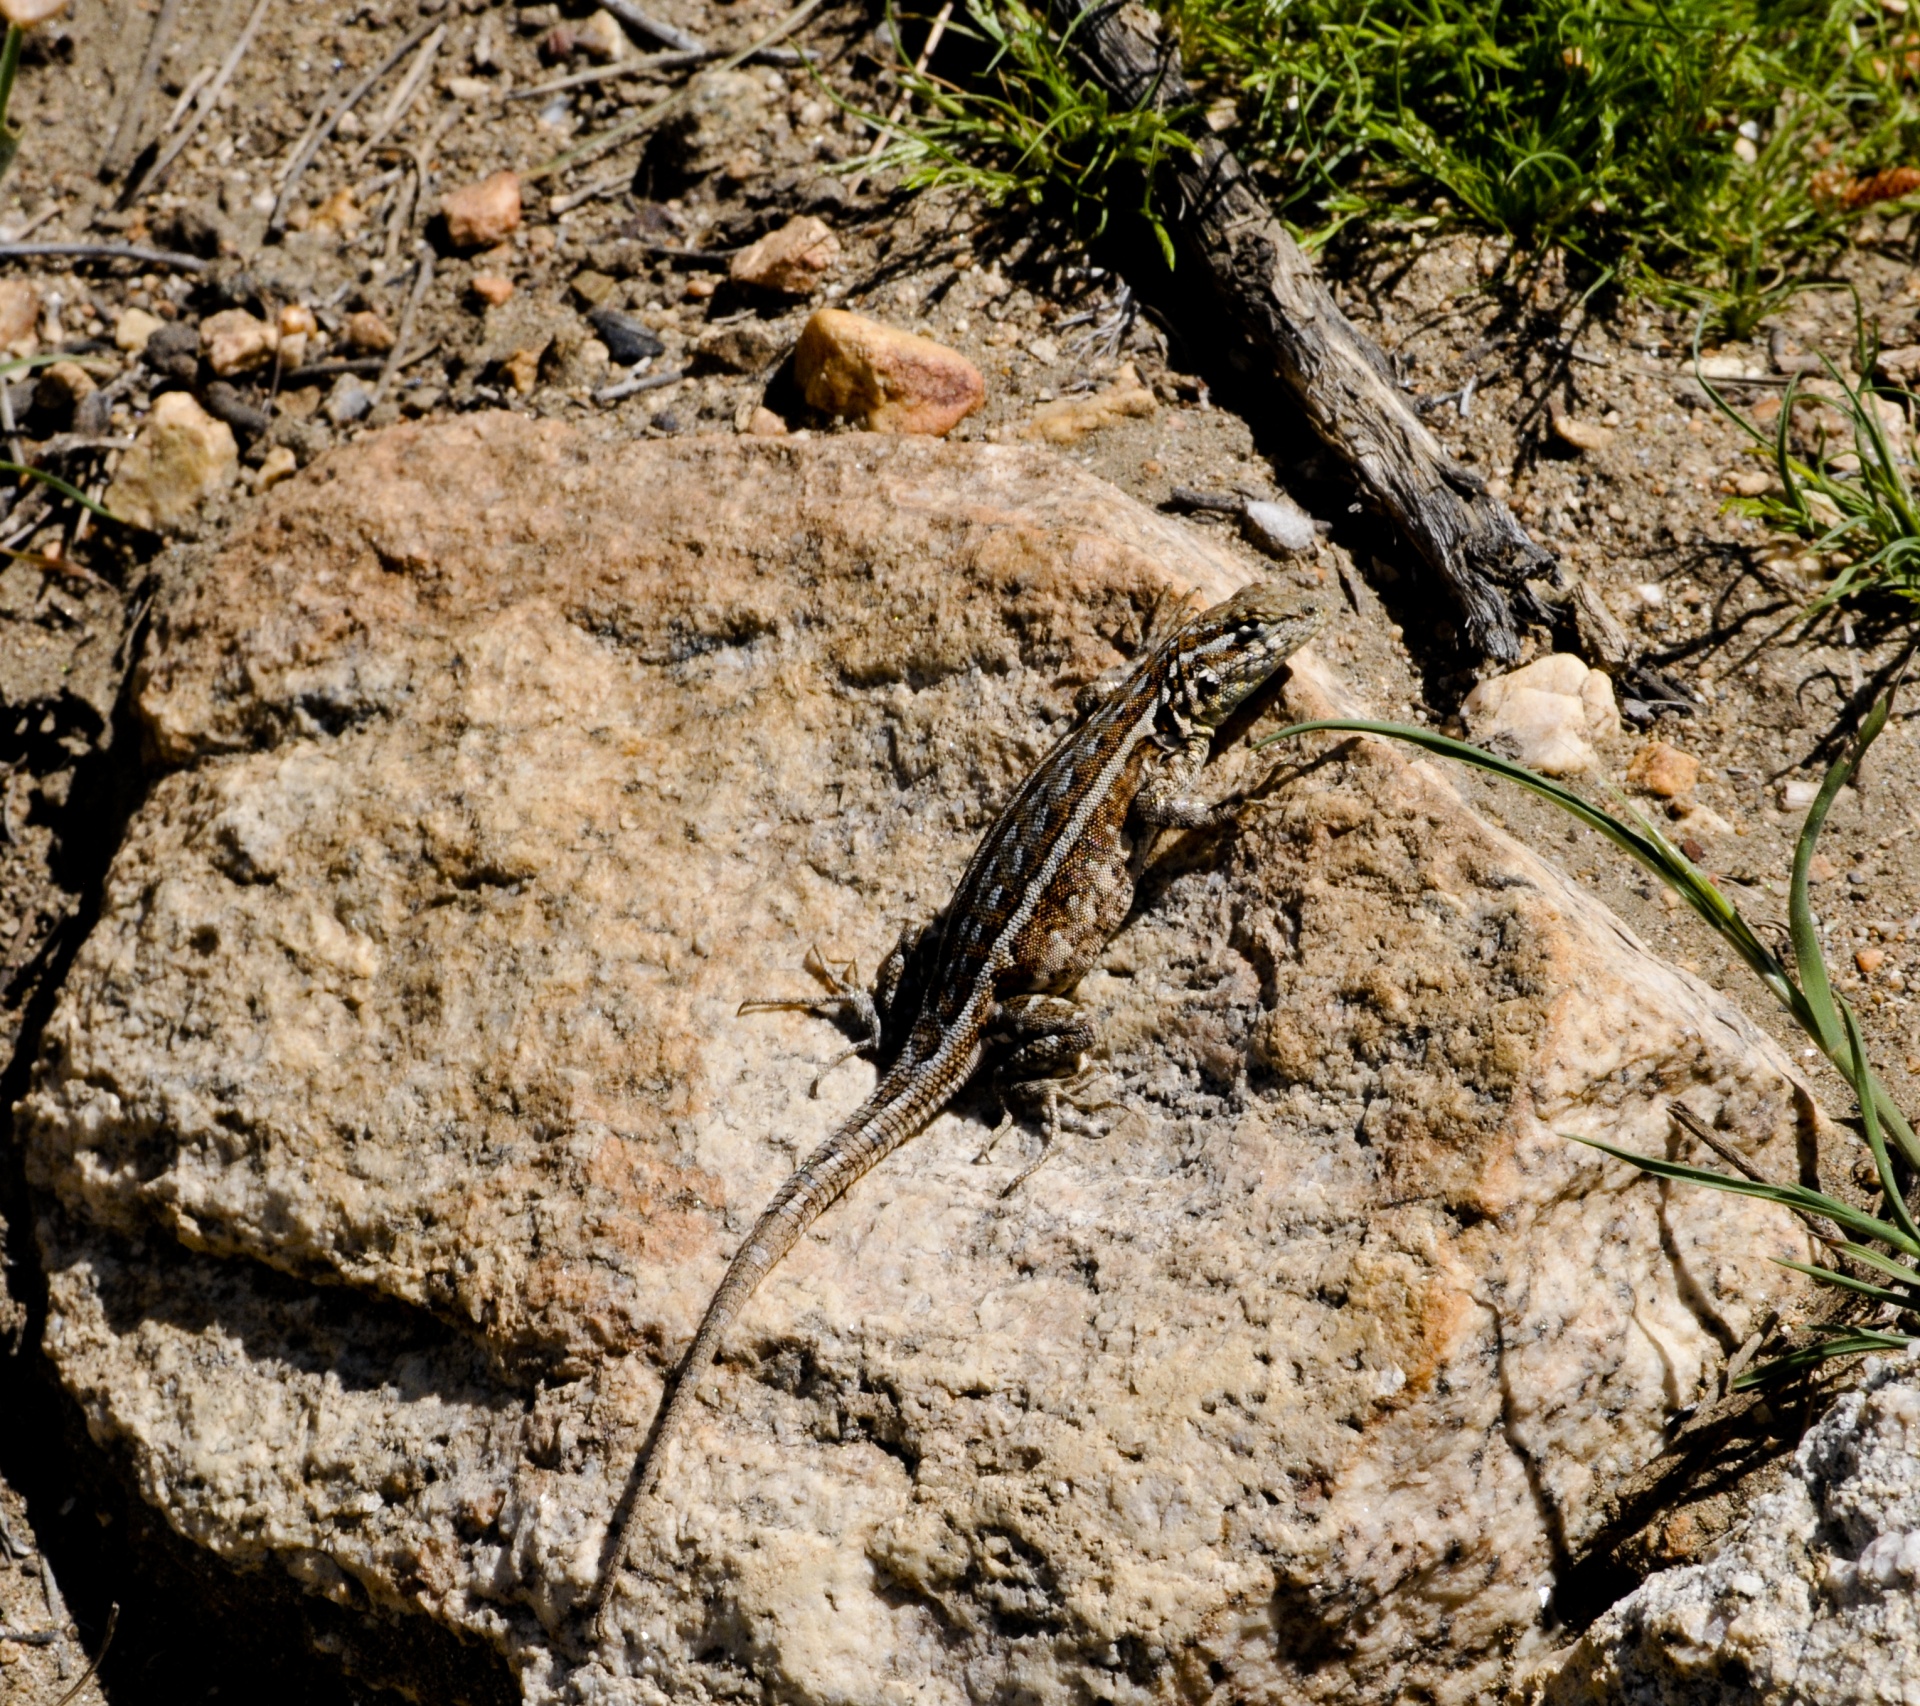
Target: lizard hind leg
[(1043, 1074), (844, 996)]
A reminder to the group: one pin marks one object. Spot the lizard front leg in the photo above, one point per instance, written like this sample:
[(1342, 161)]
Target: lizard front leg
[(872, 1012)]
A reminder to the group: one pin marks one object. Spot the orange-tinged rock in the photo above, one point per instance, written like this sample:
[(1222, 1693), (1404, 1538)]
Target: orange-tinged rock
[(367, 331), (479, 215), (490, 288), (791, 261), (1664, 771), (886, 379)]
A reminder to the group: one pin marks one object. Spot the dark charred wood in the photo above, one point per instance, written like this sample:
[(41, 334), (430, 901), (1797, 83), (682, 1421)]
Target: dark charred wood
[(1341, 381)]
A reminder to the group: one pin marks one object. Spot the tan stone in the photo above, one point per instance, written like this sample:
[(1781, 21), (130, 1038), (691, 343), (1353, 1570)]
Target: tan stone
[(1068, 421), (180, 458), (886, 379), (479, 215), (1869, 960), (1546, 714), (490, 288), (368, 332), (791, 261), (503, 763), (522, 367), (764, 423), (132, 329), (20, 303), (1664, 771), (601, 37), (1582, 435), (278, 464), (27, 13), (233, 341)]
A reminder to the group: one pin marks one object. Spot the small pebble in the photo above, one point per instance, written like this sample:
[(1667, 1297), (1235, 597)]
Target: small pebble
[(133, 328), (1582, 435), (1821, 869), (885, 379), (278, 464), (1797, 796), (367, 332), (1664, 771), (1869, 960), (1278, 526), (479, 215), (490, 288), (764, 423), (347, 402), (790, 261), (233, 341), (627, 339), (180, 458)]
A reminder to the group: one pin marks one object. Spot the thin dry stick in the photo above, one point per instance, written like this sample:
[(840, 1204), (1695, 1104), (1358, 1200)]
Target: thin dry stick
[(611, 184), (186, 100), (121, 147), (594, 147), (648, 25), (209, 98), (421, 280), (899, 108), (403, 97), (102, 252), (652, 64), (277, 220), (406, 201)]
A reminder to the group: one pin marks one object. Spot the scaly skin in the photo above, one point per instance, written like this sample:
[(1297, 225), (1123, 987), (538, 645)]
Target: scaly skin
[(1046, 889)]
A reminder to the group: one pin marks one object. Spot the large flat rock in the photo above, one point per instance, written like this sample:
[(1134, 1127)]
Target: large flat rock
[(395, 1122)]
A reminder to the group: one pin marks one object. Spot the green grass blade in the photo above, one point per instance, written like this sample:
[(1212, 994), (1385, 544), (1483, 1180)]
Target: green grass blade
[(1804, 1358), (1830, 1276), (1796, 1197), (1864, 1091), (61, 486), (1881, 1263)]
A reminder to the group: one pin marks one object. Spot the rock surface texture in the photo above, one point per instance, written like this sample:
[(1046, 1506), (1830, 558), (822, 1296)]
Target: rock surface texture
[(395, 1122), (1815, 1597)]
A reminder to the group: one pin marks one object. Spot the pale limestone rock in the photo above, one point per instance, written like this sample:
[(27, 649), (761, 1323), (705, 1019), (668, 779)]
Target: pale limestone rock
[(234, 341), (1546, 714), (395, 1121), (791, 261), (886, 379), (19, 316), (181, 457), (480, 215), (1815, 1597), (1071, 419), (1278, 526)]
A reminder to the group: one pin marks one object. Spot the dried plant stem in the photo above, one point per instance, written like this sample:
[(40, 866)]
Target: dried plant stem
[(141, 182)]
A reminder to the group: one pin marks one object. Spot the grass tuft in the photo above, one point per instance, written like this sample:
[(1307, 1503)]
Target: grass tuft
[(1711, 151)]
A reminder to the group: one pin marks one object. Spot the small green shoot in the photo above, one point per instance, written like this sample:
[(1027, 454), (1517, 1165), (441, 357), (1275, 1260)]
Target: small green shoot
[(1033, 127), (1886, 1244), (1849, 502)]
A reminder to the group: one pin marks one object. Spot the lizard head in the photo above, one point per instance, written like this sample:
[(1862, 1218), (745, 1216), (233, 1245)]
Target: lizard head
[(1224, 654)]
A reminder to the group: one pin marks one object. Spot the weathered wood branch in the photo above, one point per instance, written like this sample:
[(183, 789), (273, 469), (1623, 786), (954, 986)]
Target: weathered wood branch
[(1338, 376)]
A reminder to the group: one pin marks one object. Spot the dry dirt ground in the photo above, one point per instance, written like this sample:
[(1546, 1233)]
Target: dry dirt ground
[(1715, 603)]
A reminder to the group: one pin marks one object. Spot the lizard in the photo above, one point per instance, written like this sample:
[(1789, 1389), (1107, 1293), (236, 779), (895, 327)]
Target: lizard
[(1049, 885)]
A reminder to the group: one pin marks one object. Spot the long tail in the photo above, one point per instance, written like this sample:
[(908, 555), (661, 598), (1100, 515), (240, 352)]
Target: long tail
[(902, 1104)]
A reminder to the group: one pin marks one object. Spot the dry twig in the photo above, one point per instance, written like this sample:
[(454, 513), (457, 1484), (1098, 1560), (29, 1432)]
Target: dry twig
[(120, 148), (403, 97), (210, 96)]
